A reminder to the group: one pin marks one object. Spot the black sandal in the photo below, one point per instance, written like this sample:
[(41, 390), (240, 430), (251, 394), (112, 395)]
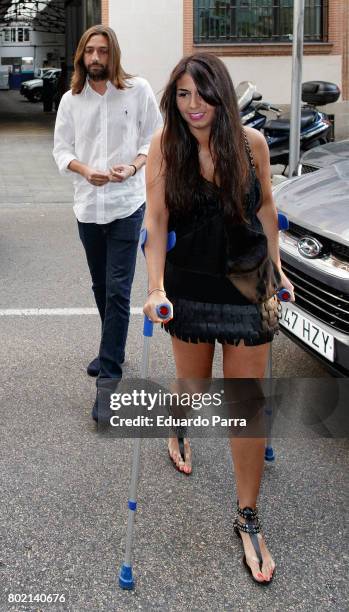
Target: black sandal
[(182, 454), (252, 527)]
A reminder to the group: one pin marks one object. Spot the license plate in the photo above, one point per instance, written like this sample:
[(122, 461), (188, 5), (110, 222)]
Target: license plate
[(311, 333)]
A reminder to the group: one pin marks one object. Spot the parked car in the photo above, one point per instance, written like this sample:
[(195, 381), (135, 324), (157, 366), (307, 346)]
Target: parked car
[(315, 256), (324, 155), (40, 72), (32, 89)]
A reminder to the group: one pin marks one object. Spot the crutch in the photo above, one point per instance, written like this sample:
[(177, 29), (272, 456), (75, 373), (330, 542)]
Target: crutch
[(126, 579), (284, 296)]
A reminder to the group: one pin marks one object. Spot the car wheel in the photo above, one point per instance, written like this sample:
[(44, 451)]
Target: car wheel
[(36, 95)]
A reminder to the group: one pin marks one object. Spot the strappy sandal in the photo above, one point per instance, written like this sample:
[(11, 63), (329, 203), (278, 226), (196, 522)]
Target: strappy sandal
[(252, 527), (182, 454)]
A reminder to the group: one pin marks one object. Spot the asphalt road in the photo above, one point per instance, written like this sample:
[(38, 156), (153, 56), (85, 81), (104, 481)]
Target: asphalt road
[(64, 487)]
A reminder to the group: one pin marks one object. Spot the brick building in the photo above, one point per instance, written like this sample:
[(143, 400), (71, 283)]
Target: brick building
[(251, 36)]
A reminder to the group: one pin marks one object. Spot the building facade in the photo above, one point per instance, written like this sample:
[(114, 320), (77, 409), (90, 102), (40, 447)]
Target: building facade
[(34, 36), (25, 49), (253, 38), (79, 15)]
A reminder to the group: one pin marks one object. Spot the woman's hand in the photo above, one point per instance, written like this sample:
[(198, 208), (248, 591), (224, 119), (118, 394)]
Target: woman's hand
[(286, 284), (157, 298)]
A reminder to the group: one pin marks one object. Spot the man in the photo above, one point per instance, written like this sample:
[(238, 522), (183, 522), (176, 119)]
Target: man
[(103, 130)]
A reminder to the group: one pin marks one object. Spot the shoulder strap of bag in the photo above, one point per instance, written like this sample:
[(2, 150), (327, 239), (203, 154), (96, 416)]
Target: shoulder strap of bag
[(248, 149)]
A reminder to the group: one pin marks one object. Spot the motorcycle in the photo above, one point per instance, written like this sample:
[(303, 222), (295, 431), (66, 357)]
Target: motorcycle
[(316, 126), (250, 105)]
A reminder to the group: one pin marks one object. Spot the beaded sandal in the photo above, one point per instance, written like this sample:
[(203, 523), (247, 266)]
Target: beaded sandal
[(252, 527)]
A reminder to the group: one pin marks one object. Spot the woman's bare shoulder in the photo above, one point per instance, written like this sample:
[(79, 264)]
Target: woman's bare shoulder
[(254, 137), (155, 150), (257, 143), (155, 166)]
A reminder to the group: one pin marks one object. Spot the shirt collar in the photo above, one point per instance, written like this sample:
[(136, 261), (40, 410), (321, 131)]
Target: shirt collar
[(88, 87)]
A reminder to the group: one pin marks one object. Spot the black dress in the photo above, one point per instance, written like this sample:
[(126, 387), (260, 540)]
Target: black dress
[(206, 304)]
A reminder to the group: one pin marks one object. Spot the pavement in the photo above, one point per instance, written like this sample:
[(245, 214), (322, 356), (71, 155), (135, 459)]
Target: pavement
[(63, 507)]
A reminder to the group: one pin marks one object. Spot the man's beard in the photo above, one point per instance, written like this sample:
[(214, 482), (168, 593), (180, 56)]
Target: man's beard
[(98, 75)]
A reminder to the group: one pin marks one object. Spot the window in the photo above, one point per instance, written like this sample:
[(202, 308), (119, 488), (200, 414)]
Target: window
[(20, 34), (239, 21), (7, 35), (26, 34), (13, 34), (8, 61), (93, 12)]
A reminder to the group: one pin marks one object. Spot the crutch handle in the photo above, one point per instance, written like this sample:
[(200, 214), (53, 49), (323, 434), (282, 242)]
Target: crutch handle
[(163, 311), (171, 240), (284, 295), (283, 222)]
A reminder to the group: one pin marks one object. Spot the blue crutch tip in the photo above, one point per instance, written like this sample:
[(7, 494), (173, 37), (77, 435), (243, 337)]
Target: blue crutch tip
[(126, 580), (269, 454)]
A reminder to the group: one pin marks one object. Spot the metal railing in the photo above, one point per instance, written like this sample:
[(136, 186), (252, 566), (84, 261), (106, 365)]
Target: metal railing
[(241, 21)]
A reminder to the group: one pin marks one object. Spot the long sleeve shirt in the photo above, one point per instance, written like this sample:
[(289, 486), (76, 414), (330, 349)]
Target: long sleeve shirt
[(103, 131)]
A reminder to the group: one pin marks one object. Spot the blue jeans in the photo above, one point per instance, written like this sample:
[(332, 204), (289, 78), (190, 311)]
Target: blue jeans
[(111, 252)]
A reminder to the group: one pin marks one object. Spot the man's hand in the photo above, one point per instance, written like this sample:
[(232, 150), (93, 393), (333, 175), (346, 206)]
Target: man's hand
[(95, 177), (120, 173)]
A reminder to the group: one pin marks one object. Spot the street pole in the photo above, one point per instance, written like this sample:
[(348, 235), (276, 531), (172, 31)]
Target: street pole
[(296, 97)]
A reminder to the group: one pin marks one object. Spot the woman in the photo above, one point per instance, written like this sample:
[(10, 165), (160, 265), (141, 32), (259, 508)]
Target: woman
[(209, 180)]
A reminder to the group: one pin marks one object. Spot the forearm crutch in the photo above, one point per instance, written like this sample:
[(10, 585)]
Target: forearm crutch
[(284, 296), (126, 579)]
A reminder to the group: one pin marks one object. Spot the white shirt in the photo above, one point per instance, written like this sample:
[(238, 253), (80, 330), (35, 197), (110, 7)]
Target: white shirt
[(102, 131)]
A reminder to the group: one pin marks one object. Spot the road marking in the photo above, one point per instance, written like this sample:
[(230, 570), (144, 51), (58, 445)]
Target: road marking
[(56, 312)]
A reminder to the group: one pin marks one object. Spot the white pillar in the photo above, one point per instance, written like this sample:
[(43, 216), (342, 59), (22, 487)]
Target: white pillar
[(296, 97)]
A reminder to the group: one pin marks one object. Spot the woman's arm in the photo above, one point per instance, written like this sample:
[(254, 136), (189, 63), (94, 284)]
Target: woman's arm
[(267, 213), (156, 224)]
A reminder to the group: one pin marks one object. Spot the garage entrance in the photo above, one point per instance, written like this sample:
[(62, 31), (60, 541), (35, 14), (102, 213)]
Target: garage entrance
[(36, 36), (38, 39)]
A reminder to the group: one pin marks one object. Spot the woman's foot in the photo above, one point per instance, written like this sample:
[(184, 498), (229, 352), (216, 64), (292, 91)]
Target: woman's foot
[(264, 573), (257, 556), (183, 464)]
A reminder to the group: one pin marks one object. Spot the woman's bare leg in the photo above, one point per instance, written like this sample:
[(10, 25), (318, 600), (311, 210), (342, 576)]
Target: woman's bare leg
[(248, 453), (192, 361)]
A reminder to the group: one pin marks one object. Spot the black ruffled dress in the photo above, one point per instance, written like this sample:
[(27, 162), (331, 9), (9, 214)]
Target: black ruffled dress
[(207, 306)]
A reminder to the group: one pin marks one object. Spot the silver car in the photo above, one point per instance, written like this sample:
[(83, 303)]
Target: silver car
[(315, 256), (324, 155)]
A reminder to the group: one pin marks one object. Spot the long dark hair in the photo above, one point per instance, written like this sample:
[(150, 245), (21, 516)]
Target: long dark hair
[(117, 74), (180, 147)]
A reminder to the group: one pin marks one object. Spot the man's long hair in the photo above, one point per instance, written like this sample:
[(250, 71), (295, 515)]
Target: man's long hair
[(117, 74), (180, 148)]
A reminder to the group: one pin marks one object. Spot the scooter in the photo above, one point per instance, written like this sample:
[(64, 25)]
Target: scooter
[(250, 105), (316, 126)]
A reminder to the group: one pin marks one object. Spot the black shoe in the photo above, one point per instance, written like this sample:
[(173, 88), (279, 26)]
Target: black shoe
[(101, 413), (101, 410), (94, 367)]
